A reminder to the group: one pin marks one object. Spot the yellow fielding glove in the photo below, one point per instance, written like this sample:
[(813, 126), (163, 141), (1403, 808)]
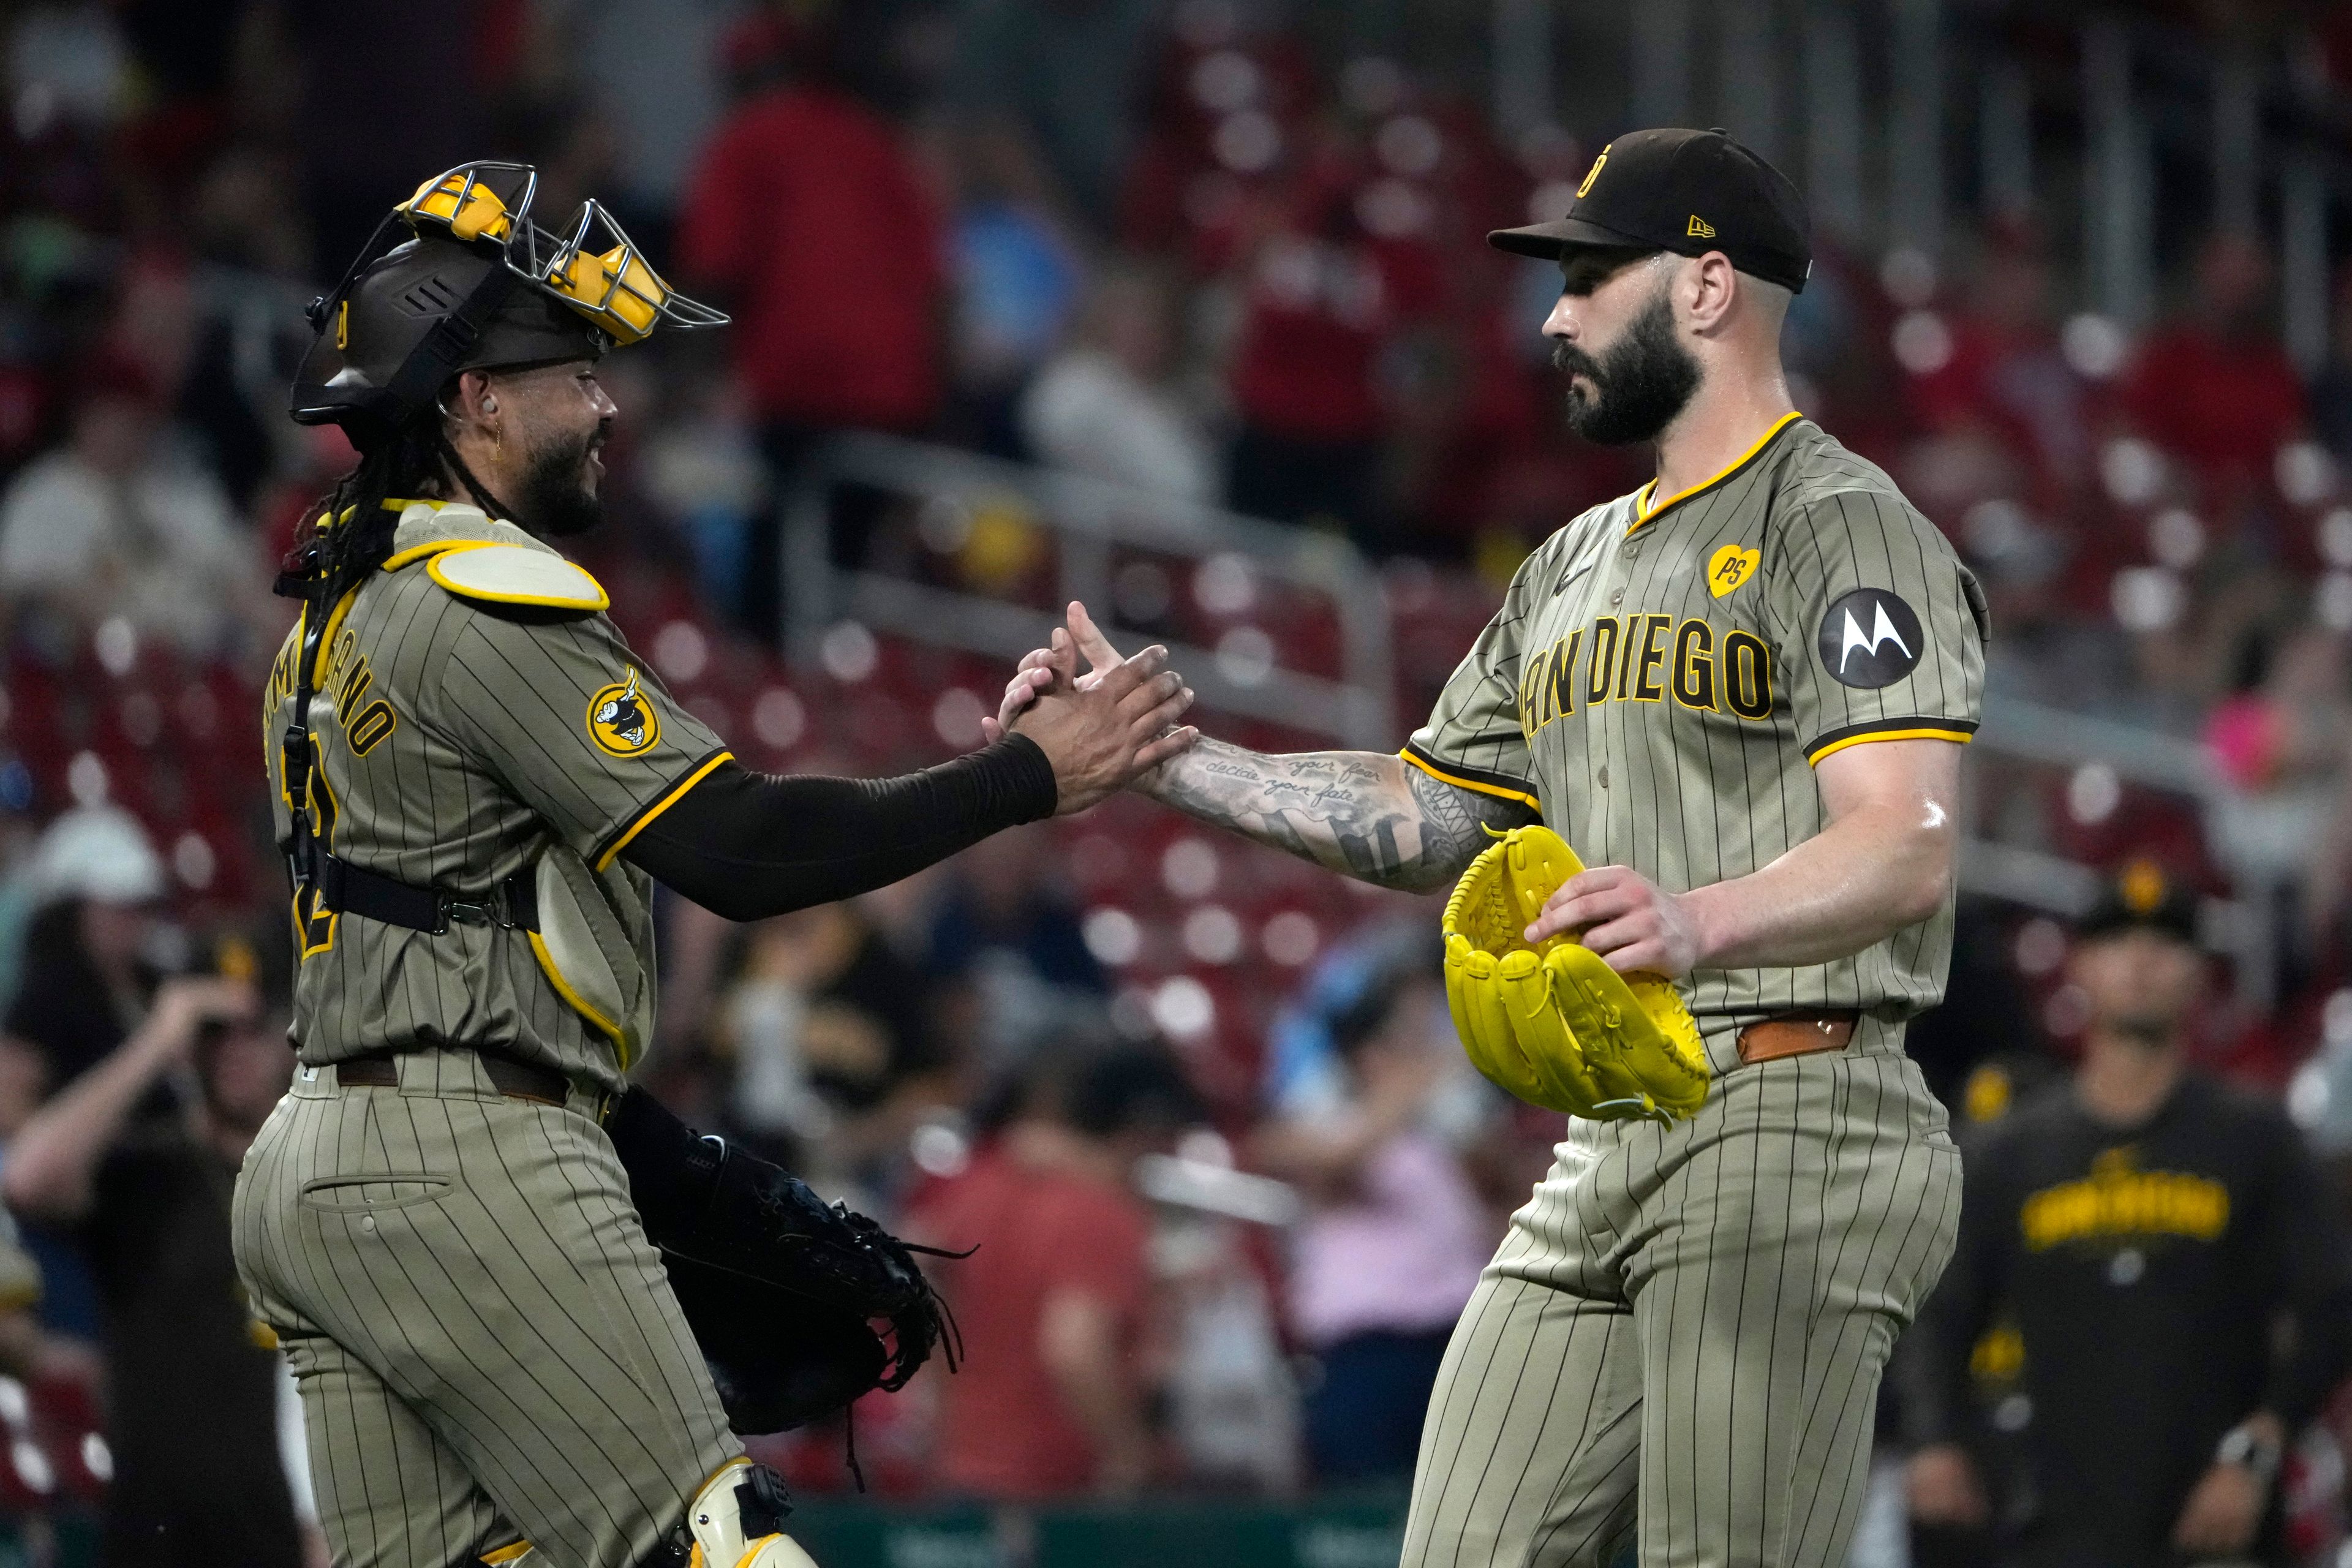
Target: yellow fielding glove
[(1551, 1022)]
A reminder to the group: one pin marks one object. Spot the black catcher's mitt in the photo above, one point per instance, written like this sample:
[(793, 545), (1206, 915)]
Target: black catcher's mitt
[(782, 1289)]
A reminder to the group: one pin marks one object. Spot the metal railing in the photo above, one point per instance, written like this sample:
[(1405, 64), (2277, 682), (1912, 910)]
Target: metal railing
[(2032, 731), (1087, 521), (2244, 929)]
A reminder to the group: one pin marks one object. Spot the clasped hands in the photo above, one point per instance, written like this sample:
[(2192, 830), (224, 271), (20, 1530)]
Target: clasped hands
[(1630, 921), (1104, 730)]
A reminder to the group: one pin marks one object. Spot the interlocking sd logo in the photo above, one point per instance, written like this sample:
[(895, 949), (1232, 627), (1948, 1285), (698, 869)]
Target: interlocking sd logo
[(1870, 638)]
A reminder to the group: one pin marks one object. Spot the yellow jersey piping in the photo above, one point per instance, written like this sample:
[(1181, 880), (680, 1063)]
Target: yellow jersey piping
[(664, 804), (1645, 512), (326, 639), (1958, 737), (1441, 776)]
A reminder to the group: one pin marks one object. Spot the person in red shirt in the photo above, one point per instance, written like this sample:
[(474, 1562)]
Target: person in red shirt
[(1322, 301), (1056, 1304), (809, 219), (2215, 388), (2007, 379)]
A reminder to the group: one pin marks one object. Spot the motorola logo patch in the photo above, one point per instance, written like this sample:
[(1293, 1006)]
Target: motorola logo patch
[(1871, 638)]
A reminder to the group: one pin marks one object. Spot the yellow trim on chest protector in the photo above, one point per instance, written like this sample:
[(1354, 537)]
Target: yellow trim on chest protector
[(515, 575)]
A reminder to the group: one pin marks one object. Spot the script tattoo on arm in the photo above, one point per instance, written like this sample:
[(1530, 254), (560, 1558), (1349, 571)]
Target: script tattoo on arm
[(1362, 814)]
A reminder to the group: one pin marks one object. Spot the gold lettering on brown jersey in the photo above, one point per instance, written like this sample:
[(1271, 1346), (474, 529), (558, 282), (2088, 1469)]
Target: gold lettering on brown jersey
[(1563, 671), (1626, 664), (1535, 694), (355, 686), (1546, 688), (1641, 659), (1603, 659), (1652, 658), (349, 677), (1695, 666), (281, 677), (1747, 674), (313, 920), (370, 726)]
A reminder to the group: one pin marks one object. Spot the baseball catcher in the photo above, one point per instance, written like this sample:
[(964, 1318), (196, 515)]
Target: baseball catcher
[(529, 1311)]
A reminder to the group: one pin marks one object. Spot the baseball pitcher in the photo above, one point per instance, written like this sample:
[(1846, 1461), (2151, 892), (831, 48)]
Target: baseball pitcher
[(1738, 696), (527, 1310)]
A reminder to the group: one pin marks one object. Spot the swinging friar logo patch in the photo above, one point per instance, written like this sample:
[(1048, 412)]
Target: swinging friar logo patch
[(622, 719), (1870, 638)]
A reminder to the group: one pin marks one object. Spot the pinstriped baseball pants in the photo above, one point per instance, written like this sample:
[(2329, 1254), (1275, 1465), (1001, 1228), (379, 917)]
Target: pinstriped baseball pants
[(486, 1345), (1680, 1340)]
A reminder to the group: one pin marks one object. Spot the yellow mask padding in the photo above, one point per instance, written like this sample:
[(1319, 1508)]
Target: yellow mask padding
[(470, 207), (617, 289)]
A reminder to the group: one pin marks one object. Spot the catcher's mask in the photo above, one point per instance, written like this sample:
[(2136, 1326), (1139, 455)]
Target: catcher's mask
[(458, 276)]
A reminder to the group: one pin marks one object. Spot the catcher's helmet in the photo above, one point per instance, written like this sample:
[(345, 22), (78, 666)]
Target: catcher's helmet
[(459, 278)]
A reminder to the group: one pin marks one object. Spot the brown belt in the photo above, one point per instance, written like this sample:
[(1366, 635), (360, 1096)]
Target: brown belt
[(1795, 1034), (515, 1080)]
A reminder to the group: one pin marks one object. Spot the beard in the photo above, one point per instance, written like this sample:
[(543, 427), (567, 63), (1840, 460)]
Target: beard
[(2151, 1028), (556, 497), (1639, 383)]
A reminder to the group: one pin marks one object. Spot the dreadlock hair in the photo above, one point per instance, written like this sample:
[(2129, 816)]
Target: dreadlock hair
[(348, 535)]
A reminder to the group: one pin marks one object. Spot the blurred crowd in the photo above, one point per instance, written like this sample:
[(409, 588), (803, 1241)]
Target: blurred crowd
[(1202, 1107)]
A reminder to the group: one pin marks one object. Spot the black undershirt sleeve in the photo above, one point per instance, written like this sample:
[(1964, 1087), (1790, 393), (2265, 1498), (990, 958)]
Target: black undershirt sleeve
[(749, 845)]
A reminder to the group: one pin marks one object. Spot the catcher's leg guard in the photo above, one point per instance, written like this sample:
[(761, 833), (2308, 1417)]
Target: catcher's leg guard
[(736, 1521)]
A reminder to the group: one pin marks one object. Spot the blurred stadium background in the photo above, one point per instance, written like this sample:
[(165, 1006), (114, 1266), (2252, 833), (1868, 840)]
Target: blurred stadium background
[(1180, 306)]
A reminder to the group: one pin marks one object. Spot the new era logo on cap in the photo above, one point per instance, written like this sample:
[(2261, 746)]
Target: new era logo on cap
[(1648, 190)]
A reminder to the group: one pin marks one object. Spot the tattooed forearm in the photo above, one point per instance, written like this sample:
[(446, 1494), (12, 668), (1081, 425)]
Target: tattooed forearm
[(1362, 814), (1454, 821)]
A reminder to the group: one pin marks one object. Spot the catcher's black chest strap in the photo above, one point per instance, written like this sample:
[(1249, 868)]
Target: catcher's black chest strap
[(324, 882), (346, 889)]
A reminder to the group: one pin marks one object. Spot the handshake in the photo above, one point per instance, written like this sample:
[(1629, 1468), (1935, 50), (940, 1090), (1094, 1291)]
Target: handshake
[(1101, 730)]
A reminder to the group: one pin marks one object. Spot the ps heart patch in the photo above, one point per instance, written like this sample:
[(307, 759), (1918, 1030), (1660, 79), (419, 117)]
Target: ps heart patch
[(1730, 567)]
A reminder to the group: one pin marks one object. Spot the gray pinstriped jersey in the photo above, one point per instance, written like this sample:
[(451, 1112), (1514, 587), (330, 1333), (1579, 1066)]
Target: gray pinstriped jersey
[(457, 741), (1660, 684)]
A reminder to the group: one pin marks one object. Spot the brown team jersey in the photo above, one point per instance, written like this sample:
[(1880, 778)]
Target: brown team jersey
[(1663, 676), (477, 717)]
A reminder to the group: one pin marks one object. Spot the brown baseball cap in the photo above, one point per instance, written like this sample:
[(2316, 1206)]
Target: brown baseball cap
[(2141, 894), (1689, 192)]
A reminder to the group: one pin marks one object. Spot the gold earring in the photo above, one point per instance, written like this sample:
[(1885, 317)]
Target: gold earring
[(498, 441)]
